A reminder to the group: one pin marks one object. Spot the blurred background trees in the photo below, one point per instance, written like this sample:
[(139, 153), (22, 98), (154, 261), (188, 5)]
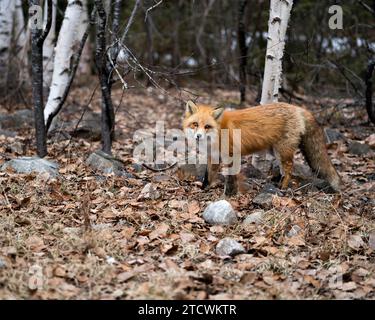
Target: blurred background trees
[(202, 43)]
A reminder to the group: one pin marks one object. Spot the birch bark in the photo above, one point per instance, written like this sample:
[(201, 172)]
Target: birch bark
[(72, 29), (277, 26), (6, 23)]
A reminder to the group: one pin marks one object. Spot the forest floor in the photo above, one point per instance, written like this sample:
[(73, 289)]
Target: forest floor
[(80, 236)]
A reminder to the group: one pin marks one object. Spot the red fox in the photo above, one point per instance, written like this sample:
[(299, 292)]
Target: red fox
[(280, 126)]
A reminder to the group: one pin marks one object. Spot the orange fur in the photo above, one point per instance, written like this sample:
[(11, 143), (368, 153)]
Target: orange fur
[(279, 126)]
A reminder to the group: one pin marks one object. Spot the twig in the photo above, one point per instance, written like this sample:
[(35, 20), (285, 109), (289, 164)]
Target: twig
[(152, 7)]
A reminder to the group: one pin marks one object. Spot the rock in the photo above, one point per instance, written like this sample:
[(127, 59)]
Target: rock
[(250, 171), (255, 217), (333, 135), (294, 231), (302, 170), (32, 164), (106, 164), (271, 189), (138, 167), (263, 199), (371, 240), (229, 247), (149, 192), (359, 149), (2, 263), (16, 147), (89, 127), (220, 213), (17, 120), (369, 140)]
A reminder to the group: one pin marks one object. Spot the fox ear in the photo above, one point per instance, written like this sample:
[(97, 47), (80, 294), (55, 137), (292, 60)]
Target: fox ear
[(218, 112), (191, 108)]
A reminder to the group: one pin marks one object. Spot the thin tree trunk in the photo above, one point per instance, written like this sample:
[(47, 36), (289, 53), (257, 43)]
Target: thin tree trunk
[(108, 115), (37, 39), (201, 29), (71, 32), (48, 49), (243, 48), (277, 26), (6, 22), (370, 107)]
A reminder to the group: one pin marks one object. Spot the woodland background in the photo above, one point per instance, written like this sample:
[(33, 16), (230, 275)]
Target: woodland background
[(94, 225)]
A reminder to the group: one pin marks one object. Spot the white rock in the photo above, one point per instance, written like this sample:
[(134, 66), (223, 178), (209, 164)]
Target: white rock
[(220, 212), (149, 192), (229, 247), (255, 217)]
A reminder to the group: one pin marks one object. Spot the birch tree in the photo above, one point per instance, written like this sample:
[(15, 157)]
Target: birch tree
[(6, 24), (71, 32), (48, 49), (277, 26)]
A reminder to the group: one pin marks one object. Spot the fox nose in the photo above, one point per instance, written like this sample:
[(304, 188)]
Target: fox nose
[(198, 136)]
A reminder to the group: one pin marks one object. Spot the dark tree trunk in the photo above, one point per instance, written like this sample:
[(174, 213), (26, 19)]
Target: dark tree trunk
[(37, 39), (243, 48), (108, 115), (149, 45), (116, 18), (369, 91)]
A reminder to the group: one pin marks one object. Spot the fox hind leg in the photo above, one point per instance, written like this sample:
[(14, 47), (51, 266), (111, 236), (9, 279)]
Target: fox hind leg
[(286, 162)]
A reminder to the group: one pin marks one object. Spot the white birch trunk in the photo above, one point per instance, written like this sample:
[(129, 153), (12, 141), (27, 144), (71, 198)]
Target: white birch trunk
[(20, 27), (72, 29), (49, 46), (277, 26), (6, 25)]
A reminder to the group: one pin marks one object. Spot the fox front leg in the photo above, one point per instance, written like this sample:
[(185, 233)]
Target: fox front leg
[(230, 186)]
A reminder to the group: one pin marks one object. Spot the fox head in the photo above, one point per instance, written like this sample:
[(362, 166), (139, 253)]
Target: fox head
[(202, 120)]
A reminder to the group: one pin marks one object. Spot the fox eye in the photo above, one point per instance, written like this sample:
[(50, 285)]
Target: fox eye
[(195, 124), (207, 127)]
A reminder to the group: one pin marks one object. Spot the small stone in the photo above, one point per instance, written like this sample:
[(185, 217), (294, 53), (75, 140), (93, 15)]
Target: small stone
[(2, 263), (16, 147), (220, 213), (229, 247), (270, 188), (89, 127), (359, 149), (294, 231), (149, 192), (371, 241), (333, 135), (32, 164), (263, 199), (255, 217), (106, 164), (138, 167)]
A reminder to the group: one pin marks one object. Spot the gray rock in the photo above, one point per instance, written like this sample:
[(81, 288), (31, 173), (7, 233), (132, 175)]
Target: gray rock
[(263, 199), (17, 120), (229, 247), (16, 147), (255, 217), (106, 164), (271, 189), (333, 135), (359, 149), (294, 231), (32, 164), (149, 192), (220, 213), (250, 171), (89, 127), (2, 264), (138, 167)]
